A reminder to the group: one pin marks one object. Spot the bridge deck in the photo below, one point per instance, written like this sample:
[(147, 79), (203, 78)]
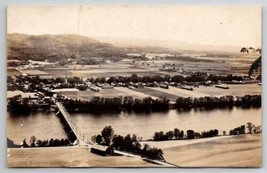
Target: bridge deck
[(70, 122)]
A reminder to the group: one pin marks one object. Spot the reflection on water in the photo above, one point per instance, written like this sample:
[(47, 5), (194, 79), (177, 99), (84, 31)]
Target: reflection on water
[(42, 125), (47, 125)]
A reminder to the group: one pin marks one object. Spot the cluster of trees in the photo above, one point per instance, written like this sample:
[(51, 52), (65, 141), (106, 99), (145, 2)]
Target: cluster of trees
[(238, 130), (242, 129), (230, 77), (180, 135), (248, 101), (19, 105), (46, 143), (11, 144), (127, 143), (160, 136), (116, 104), (205, 102)]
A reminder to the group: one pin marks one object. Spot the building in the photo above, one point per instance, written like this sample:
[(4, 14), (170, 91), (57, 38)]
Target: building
[(102, 150)]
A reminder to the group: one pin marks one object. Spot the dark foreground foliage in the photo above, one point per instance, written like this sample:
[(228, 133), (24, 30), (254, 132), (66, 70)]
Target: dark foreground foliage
[(127, 143)]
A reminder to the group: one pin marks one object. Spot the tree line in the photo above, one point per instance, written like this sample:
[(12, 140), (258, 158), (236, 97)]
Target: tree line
[(147, 104), (127, 143), (17, 104), (46, 143), (116, 104), (181, 135), (195, 77), (178, 134), (208, 102)]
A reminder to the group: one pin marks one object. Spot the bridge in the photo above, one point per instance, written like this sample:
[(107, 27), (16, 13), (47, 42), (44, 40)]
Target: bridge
[(73, 127), (82, 142)]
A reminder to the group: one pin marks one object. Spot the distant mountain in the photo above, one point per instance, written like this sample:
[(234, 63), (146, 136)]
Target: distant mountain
[(166, 46), (58, 47)]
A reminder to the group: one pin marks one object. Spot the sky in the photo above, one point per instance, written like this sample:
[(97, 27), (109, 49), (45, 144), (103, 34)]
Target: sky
[(203, 25)]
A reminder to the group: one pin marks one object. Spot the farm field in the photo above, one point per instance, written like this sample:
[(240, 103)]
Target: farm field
[(217, 152), (13, 72), (172, 93), (58, 72), (109, 93), (68, 157), (34, 72), (238, 64), (234, 90)]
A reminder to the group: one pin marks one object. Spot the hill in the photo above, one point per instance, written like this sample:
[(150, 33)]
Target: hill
[(58, 47)]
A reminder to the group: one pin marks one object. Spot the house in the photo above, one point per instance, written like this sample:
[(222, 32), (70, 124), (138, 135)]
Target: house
[(102, 150)]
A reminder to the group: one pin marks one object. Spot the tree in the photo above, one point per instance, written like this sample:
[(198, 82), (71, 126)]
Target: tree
[(250, 127), (107, 134), (176, 133), (93, 139), (99, 139), (156, 136), (117, 141), (170, 134), (224, 133), (32, 141), (24, 144), (190, 134), (181, 135), (242, 129), (215, 132)]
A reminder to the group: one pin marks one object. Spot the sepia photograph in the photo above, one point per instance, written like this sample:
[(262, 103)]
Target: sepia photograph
[(134, 86)]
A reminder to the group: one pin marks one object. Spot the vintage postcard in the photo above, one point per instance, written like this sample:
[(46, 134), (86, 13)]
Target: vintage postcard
[(134, 86)]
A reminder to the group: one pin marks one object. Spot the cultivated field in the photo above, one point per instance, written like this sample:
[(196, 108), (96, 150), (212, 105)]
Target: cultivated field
[(233, 151), (238, 64), (234, 90), (172, 93), (34, 72), (68, 157), (13, 72)]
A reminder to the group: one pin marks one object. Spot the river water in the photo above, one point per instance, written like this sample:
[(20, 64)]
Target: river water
[(47, 125)]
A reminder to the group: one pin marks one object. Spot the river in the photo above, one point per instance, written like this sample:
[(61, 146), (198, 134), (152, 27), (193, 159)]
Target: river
[(47, 125)]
